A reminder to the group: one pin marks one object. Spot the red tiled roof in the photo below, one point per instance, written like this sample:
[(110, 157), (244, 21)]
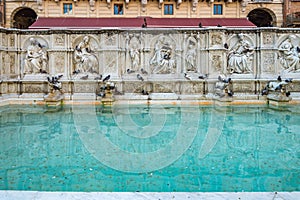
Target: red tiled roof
[(89, 23)]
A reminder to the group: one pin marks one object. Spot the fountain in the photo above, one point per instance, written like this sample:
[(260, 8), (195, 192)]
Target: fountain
[(150, 64), (55, 96), (276, 91), (105, 91)]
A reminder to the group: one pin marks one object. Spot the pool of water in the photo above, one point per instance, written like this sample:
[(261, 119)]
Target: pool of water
[(157, 148)]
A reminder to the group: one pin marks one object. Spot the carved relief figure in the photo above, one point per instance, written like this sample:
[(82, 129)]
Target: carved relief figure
[(289, 55), (135, 57), (268, 39), (162, 59), (240, 56), (36, 60), (216, 40), (85, 60), (216, 62), (191, 57)]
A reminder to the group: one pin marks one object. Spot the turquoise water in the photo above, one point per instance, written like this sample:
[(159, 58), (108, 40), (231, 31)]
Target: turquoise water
[(150, 148)]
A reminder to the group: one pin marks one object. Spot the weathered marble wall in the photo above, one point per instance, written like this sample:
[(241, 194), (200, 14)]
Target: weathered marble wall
[(251, 57)]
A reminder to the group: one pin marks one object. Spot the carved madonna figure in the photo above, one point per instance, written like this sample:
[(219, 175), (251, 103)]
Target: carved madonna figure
[(240, 56), (84, 56), (36, 59), (289, 54), (162, 60)]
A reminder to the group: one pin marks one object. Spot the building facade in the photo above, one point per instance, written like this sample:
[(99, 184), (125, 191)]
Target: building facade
[(21, 14)]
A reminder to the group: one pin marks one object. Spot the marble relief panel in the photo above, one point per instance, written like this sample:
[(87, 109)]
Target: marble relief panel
[(163, 57), (240, 54), (84, 87), (34, 88), (133, 87), (59, 62), (216, 62), (268, 62), (192, 88), (268, 39), (59, 40), (86, 54), (289, 53), (110, 61)]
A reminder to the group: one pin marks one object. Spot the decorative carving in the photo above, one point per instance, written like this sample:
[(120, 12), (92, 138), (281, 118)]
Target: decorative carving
[(216, 39), (92, 5), (134, 52), (110, 61), (6, 63), (12, 64), (244, 4), (162, 60), (160, 2), (178, 3), (59, 62), (268, 38), (216, 62), (12, 41), (40, 4), (289, 54), (36, 60), (110, 39), (268, 62), (59, 40), (144, 4), (194, 5), (191, 54), (108, 3), (240, 56), (84, 57)]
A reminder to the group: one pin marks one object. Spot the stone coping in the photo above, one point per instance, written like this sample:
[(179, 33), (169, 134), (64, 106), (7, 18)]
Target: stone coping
[(18, 101), (40, 195)]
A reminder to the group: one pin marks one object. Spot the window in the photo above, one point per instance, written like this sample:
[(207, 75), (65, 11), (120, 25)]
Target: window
[(118, 9), (168, 9), (218, 9), (67, 8)]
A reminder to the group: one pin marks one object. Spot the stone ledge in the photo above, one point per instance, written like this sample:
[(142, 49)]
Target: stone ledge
[(29, 195)]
